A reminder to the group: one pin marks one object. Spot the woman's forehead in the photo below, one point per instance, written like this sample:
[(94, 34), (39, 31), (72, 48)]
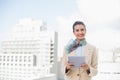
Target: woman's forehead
[(79, 27)]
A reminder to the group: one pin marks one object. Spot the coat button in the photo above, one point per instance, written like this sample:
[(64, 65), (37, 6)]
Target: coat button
[(78, 74)]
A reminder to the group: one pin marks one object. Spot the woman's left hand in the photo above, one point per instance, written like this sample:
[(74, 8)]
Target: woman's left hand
[(85, 67)]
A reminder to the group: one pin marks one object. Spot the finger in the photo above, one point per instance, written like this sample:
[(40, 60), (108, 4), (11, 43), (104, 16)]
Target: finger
[(71, 65), (82, 65)]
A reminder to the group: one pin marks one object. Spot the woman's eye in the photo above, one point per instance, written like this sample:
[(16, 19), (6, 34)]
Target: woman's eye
[(82, 29), (77, 30)]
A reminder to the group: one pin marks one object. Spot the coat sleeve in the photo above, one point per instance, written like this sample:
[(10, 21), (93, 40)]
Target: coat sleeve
[(94, 63), (64, 61)]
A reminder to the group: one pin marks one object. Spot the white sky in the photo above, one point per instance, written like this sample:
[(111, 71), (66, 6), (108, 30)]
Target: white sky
[(102, 18)]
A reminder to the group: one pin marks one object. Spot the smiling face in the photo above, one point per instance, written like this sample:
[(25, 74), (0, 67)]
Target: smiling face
[(79, 31)]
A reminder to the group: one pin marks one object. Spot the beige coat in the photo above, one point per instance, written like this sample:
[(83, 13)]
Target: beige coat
[(90, 53)]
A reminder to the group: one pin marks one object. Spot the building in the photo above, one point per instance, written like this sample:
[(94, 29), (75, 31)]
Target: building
[(116, 54), (29, 53)]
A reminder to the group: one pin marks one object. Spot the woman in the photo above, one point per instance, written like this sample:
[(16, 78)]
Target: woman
[(79, 47)]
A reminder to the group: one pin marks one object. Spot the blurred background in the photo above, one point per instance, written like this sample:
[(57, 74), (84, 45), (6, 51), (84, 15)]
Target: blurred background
[(34, 32)]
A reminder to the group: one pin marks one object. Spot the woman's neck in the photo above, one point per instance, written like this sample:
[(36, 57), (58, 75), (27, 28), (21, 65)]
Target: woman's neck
[(79, 40)]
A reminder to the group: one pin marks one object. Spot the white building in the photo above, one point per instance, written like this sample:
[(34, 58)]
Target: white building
[(28, 53)]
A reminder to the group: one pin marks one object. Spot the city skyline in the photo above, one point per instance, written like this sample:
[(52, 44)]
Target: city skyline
[(29, 52)]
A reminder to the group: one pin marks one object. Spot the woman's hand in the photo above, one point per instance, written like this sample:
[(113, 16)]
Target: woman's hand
[(85, 67), (68, 65)]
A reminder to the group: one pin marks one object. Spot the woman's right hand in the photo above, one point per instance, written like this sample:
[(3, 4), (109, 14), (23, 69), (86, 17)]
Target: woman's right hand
[(68, 65)]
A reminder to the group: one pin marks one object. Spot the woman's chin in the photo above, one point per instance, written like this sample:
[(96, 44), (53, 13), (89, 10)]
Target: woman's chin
[(80, 39)]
